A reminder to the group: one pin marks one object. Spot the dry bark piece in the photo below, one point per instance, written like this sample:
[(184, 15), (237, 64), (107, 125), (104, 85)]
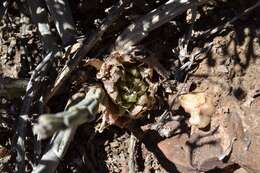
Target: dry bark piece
[(199, 106), (202, 157), (172, 148), (97, 63)]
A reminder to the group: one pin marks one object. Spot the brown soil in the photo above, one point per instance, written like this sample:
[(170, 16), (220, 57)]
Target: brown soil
[(228, 75)]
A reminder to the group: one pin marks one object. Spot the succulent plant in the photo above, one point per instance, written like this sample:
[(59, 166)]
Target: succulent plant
[(128, 84), (79, 110)]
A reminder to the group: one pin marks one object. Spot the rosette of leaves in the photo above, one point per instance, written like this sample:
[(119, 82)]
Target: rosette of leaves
[(128, 84)]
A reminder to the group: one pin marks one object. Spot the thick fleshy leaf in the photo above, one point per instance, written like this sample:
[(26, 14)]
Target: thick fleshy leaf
[(128, 84)]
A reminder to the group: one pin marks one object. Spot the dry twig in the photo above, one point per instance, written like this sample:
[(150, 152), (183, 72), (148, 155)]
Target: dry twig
[(132, 150)]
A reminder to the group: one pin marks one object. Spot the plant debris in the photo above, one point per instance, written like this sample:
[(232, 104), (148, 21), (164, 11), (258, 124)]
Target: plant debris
[(129, 86)]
